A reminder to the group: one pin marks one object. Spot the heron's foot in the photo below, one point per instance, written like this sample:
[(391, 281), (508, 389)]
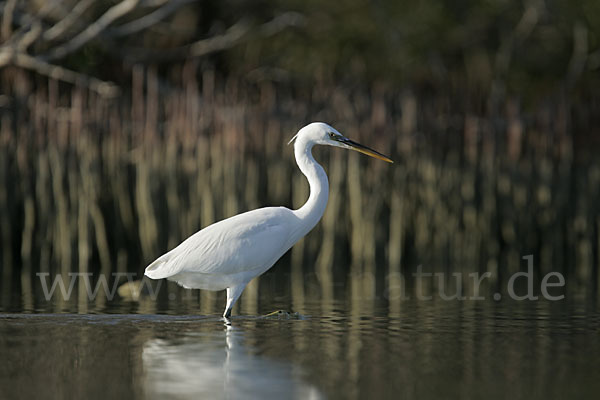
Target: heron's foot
[(282, 314)]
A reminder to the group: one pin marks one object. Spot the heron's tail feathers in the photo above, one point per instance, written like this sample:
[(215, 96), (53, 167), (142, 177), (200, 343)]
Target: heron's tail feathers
[(160, 268)]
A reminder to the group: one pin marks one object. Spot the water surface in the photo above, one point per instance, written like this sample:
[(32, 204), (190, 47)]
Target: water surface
[(424, 350)]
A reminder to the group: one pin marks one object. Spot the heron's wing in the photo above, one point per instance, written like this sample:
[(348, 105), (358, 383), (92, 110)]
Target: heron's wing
[(245, 242)]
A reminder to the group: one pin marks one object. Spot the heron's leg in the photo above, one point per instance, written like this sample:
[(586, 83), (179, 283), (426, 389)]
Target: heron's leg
[(233, 293)]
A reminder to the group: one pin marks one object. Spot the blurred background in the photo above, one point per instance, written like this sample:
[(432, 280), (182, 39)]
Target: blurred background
[(127, 126)]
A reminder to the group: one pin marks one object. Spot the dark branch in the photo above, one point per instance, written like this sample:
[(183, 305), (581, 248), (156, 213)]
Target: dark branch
[(92, 31), (149, 20)]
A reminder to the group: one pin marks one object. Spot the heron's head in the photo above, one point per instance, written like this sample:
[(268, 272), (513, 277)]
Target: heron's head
[(321, 133)]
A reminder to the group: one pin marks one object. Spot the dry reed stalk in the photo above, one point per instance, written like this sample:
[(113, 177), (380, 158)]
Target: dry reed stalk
[(148, 227), (299, 196), (249, 303), (26, 247), (395, 239), (83, 251), (326, 257), (5, 224), (208, 302)]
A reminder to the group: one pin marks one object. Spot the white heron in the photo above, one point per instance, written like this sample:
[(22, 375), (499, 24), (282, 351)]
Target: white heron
[(229, 253)]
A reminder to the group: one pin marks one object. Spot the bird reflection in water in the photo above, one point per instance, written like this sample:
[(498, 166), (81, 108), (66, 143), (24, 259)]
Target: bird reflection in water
[(218, 365)]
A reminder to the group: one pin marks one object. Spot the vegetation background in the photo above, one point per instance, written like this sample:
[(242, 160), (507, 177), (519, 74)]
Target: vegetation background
[(127, 126)]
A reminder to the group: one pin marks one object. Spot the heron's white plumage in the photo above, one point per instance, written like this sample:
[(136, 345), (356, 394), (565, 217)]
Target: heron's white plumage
[(229, 253)]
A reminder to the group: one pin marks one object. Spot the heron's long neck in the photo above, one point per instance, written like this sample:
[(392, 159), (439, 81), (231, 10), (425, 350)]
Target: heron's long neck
[(312, 211)]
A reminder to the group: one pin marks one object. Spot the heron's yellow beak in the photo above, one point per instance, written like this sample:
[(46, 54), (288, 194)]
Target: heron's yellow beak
[(364, 149)]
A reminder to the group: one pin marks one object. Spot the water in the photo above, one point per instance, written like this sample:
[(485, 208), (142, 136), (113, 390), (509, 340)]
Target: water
[(425, 349)]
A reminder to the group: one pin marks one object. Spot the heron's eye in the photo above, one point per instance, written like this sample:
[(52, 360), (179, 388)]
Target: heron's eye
[(331, 135)]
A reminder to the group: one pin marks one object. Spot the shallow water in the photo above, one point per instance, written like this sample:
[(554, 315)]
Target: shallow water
[(426, 349)]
